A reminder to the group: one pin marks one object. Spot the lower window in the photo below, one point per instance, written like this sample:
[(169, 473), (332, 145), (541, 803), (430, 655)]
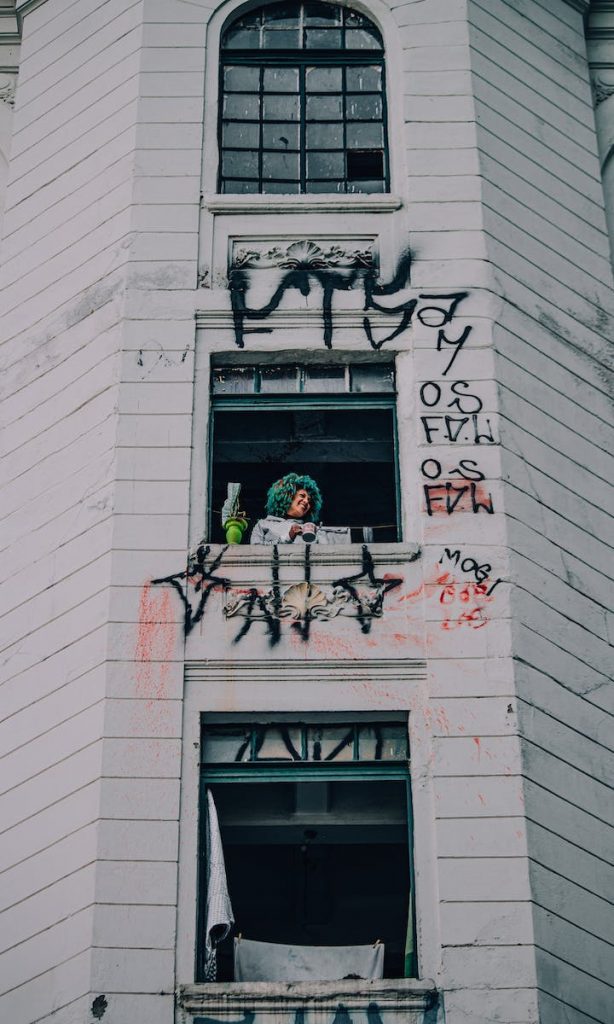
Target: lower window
[(311, 822)]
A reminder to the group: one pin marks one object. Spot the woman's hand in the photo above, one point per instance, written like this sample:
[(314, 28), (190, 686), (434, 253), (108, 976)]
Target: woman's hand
[(295, 529)]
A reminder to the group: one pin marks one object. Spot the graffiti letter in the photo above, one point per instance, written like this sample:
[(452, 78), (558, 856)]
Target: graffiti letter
[(461, 399), (477, 505), (456, 343)]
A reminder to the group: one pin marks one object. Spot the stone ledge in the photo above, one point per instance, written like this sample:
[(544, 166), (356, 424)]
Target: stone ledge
[(244, 555), (266, 204), (229, 998)]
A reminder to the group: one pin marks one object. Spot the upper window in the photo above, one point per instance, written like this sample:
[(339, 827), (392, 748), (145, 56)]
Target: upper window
[(303, 102), (332, 421)]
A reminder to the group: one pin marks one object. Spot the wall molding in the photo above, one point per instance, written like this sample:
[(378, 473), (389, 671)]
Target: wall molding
[(265, 204), (380, 670)]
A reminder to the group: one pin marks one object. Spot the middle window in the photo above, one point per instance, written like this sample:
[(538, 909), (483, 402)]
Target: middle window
[(303, 102)]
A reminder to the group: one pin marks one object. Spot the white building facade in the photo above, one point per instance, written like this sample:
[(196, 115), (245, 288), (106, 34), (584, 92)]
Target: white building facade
[(368, 242)]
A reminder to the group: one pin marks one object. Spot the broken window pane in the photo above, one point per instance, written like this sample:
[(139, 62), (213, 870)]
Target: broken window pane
[(364, 164)]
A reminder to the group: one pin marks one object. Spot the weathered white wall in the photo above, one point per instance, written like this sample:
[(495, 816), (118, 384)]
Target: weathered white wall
[(67, 225), (543, 218), (498, 179)]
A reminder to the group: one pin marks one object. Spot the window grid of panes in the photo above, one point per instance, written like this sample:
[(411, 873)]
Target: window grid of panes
[(365, 378), (309, 116)]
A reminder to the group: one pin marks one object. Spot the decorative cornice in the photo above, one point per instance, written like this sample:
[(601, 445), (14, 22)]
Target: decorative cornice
[(281, 319), (8, 89), (265, 204), (340, 670), (602, 90), (302, 254)]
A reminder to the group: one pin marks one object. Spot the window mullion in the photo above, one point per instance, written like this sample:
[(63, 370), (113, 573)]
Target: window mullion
[(261, 129), (302, 128)]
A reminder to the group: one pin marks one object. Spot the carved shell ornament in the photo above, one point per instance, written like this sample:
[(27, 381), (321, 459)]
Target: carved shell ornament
[(302, 255), (302, 601)]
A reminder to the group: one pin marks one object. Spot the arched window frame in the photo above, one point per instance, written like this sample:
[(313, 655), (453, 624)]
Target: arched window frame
[(298, 116), (381, 15)]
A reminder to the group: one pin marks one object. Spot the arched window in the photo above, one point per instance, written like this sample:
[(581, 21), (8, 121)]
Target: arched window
[(303, 102)]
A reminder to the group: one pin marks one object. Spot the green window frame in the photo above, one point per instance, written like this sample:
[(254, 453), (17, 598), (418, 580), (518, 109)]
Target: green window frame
[(274, 385), (303, 102), (255, 771)]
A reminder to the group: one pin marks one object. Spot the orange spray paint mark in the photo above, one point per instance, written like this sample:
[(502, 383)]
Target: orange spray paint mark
[(155, 642)]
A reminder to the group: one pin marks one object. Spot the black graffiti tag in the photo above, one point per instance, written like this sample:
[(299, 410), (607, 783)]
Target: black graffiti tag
[(202, 575), (437, 313)]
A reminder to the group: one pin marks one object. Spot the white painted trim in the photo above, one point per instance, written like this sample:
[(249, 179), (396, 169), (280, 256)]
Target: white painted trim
[(376, 203)]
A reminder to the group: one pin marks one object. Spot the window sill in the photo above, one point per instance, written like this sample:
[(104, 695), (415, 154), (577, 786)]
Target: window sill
[(221, 999), (355, 203), (334, 554)]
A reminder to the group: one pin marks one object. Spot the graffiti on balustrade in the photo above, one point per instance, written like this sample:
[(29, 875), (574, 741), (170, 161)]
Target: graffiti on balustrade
[(305, 266), (359, 596), (196, 583), (371, 1014), (466, 493)]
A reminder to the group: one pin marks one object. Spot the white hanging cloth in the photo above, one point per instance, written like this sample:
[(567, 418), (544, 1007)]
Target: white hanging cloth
[(272, 961), (219, 916)]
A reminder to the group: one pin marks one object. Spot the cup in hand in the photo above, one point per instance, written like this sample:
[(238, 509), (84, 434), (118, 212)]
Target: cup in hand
[(309, 532)]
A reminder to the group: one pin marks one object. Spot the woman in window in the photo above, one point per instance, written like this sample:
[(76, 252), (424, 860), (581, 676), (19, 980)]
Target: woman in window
[(293, 507)]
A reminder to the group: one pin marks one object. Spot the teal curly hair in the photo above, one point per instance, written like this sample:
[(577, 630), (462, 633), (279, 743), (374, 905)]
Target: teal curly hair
[(280, 494)]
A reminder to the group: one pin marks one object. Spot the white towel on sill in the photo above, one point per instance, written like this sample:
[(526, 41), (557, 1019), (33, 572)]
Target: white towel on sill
[(219, 916), (273, 961)]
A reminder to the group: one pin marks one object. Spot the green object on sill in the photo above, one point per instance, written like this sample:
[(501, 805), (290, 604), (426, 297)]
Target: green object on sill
[(234, 529)]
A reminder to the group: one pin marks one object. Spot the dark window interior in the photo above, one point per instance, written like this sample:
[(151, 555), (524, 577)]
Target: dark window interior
[(314, 824), (346, 445), (317, 863)]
